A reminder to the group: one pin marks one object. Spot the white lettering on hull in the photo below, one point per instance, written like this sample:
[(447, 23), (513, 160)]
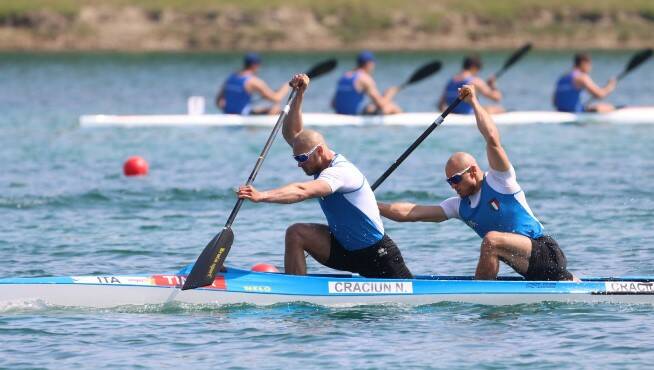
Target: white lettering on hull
[(115, 280), (629, 287), (370, 287)]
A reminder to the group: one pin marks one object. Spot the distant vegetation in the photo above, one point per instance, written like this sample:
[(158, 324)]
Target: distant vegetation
[(277, 24)]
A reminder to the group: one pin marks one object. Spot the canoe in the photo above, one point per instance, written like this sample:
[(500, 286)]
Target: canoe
[(632, 115), (237, 286)]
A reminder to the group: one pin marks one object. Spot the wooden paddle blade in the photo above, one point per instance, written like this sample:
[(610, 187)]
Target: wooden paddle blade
[(424, 72), (637, 60), (210, 261), (322, 68)]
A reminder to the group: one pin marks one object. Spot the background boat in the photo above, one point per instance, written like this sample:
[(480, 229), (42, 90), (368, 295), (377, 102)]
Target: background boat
[(635, 115)]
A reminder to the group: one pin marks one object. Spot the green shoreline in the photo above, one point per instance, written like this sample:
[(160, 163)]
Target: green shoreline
[(311, 25)]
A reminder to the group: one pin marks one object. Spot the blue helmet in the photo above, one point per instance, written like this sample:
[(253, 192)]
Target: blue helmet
[(365, 57), (251, 59)]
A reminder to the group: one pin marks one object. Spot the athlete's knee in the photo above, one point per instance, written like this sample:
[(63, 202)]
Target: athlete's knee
[(491, 242), (296, 233)]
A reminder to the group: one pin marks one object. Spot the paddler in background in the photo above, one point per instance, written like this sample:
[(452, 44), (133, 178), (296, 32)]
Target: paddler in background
[(569, 88), (355, 85), (494, 205), (468, 76), (235, 96), (353, 239)]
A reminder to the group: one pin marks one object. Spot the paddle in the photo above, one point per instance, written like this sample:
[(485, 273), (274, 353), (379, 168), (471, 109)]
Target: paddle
[(635, 61), (213, 256), (516, 56), (415, 144), (638, 59), (317, 70), (322, 68), (422, 73)]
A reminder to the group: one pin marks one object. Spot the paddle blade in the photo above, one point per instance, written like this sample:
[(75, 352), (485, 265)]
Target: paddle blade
[(637, 60), (424, 72), (322, 68), (210, 261)]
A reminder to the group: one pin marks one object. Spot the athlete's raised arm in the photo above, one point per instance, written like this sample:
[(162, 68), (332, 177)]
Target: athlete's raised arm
[(293, 124), (497, 158)]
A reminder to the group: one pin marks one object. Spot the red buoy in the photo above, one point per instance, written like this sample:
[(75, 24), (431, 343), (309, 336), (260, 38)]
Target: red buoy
[(135, 166), (264, 267)]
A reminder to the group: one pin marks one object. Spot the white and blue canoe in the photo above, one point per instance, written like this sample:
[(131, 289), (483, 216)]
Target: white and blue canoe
[(236, 286), (629, 115)]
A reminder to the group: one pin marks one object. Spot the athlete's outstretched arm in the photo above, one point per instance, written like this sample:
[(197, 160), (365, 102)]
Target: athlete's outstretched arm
[(598, 92), (261, 87), (291, 193), (293, 124), (220, 98), (487, 90), (442, 104), (409, 212), (497, 158)]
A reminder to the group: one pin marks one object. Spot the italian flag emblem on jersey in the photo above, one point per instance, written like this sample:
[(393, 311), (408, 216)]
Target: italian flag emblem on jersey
[(494, 204)]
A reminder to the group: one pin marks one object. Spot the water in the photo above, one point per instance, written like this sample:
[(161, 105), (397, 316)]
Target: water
[(66, 209)]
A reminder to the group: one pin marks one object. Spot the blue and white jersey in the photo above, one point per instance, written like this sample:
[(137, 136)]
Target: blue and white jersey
[(347, 99), (452, 92), (351, 209), (237, 98), (567, 97), (500, 205)]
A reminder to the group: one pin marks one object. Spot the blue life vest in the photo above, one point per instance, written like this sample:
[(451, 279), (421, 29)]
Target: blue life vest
[(352, 228), (452, 92), (347, 99), (237, 99), (499, 212), (567, 97)]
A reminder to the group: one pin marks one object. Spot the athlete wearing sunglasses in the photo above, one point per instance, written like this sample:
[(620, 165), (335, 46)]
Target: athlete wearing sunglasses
[(354, 238), (494, 205)]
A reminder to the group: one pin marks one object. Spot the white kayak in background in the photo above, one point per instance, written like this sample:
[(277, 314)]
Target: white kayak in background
[(632, 115)]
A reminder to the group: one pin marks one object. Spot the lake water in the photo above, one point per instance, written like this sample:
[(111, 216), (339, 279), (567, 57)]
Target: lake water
[(66, 209)]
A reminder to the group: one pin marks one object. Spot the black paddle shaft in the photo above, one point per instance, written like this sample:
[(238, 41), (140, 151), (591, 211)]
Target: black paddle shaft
[(517, 55), (320, 69), (415, 144), (261, 158), (214, 254)]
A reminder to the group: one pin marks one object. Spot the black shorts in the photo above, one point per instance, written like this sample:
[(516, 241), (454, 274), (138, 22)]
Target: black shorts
[(547, 261), (381, 260)]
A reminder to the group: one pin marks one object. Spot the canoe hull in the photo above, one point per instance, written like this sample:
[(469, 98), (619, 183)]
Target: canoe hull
[(244, 287)]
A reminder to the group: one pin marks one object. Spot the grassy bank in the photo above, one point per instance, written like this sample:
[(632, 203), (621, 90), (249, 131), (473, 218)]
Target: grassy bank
[(340, 23)]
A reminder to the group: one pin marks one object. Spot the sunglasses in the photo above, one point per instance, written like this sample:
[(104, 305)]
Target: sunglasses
[(301, 158), (457, 177)]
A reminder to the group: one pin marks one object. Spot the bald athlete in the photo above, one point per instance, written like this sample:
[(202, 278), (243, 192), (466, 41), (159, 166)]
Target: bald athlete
[(494, 205), (353, 239)]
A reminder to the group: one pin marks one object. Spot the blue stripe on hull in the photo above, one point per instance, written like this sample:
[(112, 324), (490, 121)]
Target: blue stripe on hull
[(243, 281)]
